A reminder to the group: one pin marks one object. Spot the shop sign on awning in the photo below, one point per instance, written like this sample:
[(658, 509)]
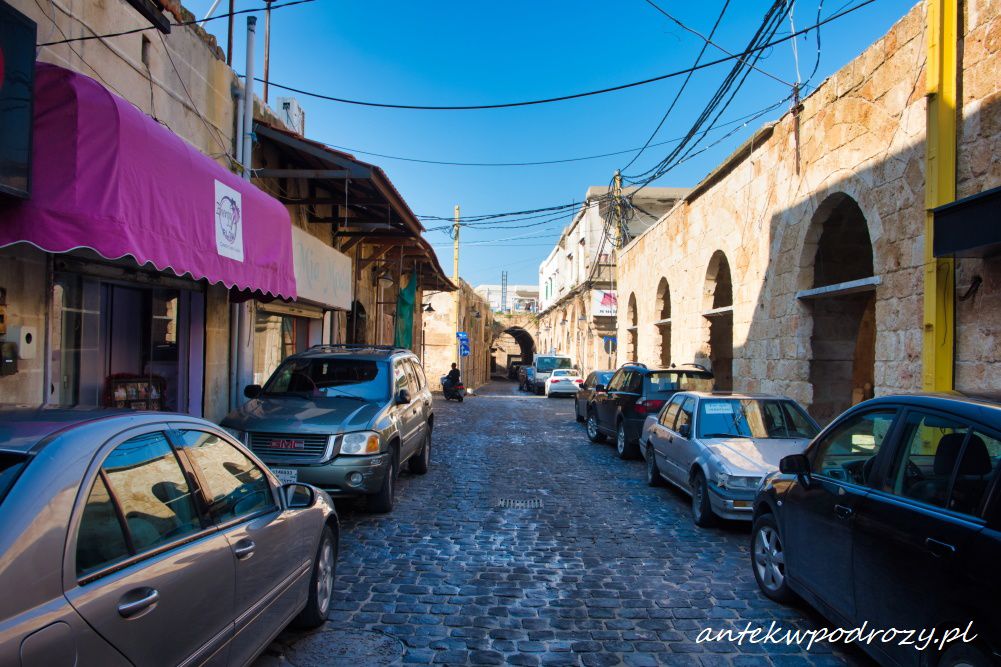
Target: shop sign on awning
[(109, 178), (322, 274)]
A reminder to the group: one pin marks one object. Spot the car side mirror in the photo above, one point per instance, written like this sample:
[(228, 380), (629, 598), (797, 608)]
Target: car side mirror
[(685, 430), (796, 464), (298, 496), (252, 390), (403, 397), (599, 387)]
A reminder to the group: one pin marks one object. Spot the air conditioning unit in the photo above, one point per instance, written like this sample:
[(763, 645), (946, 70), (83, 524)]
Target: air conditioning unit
[(292, 114)]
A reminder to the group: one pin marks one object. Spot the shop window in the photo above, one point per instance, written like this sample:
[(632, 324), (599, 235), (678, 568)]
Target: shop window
[(116, 345), (276, 337)]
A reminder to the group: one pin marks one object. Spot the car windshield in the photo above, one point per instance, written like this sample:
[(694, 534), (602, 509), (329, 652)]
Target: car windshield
[(546, 364), (563, 373), (753, 418), (330, 377), (603, 378), (10, 468), (665, 383)]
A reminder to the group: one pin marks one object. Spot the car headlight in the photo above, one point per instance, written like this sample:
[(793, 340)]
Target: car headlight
[(737, 482), (362, 442), (240, 436)]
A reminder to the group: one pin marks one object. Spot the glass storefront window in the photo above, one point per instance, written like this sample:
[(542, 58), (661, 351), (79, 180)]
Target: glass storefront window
[(76, 334), (118, 345)]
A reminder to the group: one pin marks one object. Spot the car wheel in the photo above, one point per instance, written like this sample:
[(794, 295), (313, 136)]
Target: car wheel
[(593, 434), (768, 559), (702, 511), (382, 501), (964, 655), (420, 463), (622, 445), (321, 584), (653, 477)]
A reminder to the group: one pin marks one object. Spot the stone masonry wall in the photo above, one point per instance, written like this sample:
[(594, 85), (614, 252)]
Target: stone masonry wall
[(978, 318), (861, 135)]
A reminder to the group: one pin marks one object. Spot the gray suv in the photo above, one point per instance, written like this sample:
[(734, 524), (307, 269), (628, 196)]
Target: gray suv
[(344, 418)]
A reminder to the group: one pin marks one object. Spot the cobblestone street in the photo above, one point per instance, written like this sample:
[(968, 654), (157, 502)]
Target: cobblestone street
[(604, 571)]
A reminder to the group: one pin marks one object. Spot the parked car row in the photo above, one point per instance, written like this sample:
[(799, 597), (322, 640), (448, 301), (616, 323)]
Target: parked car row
[(890, 517), (121, 526)]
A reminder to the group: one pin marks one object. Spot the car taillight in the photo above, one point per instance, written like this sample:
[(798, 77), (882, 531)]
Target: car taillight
[(579, 381), (646, 405), (554, 381)]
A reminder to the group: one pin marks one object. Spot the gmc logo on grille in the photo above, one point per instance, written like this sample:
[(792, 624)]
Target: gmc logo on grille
[(287, 443)]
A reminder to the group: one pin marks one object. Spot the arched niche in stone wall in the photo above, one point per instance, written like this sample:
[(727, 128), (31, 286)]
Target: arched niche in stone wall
[(717, 309), (838, 288)]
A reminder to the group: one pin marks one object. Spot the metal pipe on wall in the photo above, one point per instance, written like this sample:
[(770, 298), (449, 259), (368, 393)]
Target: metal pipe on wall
[(239, 125)]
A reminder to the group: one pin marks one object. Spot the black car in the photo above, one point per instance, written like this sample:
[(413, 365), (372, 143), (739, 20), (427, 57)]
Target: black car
[(634, 392), (586, 392), (892, 517)]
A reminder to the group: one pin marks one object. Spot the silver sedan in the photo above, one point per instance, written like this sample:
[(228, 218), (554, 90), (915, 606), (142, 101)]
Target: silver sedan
[(718, 446), (150, 539)]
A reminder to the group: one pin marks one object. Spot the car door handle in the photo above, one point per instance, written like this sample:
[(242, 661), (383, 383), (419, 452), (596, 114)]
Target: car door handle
[(843, 511), (149, 597), (244, 549), (940, 549)]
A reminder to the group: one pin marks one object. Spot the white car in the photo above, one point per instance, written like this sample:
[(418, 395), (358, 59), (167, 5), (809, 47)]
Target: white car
[(565, 381)]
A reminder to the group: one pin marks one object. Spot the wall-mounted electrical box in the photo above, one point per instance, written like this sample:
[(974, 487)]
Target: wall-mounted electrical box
[(3, 311), (26, 341), (8, 358)]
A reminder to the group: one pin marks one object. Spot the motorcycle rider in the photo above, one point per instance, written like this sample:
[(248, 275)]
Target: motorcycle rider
[(453, 376)]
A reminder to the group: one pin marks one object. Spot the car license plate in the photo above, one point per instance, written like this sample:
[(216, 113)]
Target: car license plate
[(286, 475)]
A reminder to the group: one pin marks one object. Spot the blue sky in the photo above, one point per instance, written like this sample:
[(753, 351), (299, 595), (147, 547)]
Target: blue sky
[(442, 53)]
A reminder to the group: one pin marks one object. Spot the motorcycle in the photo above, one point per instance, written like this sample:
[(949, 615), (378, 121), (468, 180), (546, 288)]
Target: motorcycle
[(449, 392)]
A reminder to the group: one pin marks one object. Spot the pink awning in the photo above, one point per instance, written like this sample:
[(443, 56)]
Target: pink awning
[(108, 177)]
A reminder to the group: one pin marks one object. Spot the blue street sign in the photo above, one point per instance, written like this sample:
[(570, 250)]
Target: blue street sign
[(462, 336), (463, 348)]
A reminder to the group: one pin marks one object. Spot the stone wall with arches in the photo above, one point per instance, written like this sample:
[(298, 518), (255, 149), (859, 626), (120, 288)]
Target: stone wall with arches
[(819, 219)]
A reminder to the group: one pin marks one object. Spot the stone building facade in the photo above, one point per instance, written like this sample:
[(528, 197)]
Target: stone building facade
[(97, 317), (439, 348), (577, 291), (797, 268)]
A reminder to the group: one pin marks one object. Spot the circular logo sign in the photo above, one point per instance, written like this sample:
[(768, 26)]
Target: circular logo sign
[(227, 215)]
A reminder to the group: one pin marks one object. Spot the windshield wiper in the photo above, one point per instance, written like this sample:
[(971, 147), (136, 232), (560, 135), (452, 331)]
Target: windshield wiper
[(273, 394), (351, 396)]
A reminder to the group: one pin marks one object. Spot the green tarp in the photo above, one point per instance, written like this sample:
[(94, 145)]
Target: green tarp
[(404, 334)]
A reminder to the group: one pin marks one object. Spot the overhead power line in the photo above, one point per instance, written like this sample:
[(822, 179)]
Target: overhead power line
[(573, 96), (709, 40), (681, 90), (85, 38), (735, 121)]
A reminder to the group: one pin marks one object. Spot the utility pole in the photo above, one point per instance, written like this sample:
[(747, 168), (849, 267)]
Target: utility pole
[(455, 279), (267, 47), (617, 198)]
